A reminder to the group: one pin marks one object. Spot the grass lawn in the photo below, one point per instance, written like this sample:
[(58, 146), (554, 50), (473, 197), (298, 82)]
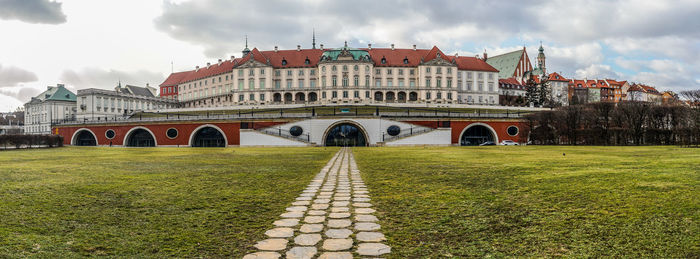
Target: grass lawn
[(153, 202), (535, 202)]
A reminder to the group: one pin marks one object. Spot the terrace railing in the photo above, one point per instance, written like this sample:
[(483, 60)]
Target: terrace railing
[(304, 137), (406, 133)]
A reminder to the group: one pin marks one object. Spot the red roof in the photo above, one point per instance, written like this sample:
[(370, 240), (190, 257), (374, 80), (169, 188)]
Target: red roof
[(475, 64), (635, 88), (293, 58), (396, 57), (556, 77), (175, 78), (510, 81), (212, 70)]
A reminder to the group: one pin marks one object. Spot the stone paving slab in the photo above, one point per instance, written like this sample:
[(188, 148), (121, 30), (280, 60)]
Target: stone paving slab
[(331, 219)]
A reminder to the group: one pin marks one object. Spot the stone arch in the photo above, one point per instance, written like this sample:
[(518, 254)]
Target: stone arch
[(299, 97), (76, 138), (313, 97), (129, 134), (196, 130), (358, 126), (378, 96), (277, 97), (488, 127)]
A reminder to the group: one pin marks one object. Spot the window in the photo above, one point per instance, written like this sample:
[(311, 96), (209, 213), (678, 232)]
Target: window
[(335, 81), (412, 83), (323, 81), (251, 72), (481, 75), (490, 86), (427, 70), (289, 83), (240, 85), (251, 84), (345, 94), (378, 83), (449, 96), (427, 82), (355, 68), (301, 72), (427, 96), (388, 71), (439, 71), (366, 94), (289, 72), (312, 72), (240, 98), (481, 86), (439, 95), (323, 95), (438, 82), (378, 71), (219, 80), (356, 80), (262, 97), (449, 83), (323, 68), (449, 71), (366, 68), (278, 84), (334, 68), (345, 81), (469, 86), (389, 83), (400, 72), (226, 77), (481, 99), (345, 67), (301, 83), (405, 60), (277, 73), (469, 75), (240, 72), (334, 94), (284, 62), (401, 84), (312, 83), (356, 94), (383, 60), (411, 71), (262, 84), (366, 81), (252, 97)]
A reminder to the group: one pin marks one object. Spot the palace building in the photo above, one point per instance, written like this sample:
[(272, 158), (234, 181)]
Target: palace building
[(308, 97)]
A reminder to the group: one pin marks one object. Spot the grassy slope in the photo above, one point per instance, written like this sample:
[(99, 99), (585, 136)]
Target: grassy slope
[(148, 202), (533, 201)]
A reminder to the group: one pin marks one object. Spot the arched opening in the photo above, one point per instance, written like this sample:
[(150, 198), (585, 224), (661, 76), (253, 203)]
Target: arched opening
[(288, 97), (476, 135), (313, 97), (378, 96), (208, 137), (140, 138), (401, 97), (413, 96), (390, 96), (345, 134), (277, 97), (300, 98), (85, 138)]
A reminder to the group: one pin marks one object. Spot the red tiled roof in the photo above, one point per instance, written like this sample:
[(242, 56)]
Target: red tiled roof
[(395, 58), (174, 78), (510, 81), (294, 58), (475, 64), (215, 69), (635, 88), (556, 77)]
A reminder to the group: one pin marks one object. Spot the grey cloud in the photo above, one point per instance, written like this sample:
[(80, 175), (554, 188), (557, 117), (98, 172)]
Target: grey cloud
[(32, 11), (21, 93), (108, 79), (11, 76)]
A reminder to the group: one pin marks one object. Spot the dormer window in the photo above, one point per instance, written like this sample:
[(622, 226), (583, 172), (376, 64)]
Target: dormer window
[(438, 54), (284, 62), (307, 61), (405, 60), (383, 60)]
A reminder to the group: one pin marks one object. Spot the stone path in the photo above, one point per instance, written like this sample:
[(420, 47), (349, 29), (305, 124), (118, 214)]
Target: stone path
[(332, 218)]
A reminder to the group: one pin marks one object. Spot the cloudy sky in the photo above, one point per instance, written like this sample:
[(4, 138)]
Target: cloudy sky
[(88, 43)]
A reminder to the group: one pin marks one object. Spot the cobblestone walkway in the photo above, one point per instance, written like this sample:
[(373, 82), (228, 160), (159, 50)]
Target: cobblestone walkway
[(332, 218)]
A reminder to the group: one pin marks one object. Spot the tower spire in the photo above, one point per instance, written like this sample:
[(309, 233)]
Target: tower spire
[(313, 41), (246, 50)]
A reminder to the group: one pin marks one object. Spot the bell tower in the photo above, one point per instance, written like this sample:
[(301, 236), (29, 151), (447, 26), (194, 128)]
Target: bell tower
[(541, 60)]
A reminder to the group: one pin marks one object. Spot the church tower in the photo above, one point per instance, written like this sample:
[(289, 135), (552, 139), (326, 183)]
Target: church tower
[(246, 50), (541, 60)]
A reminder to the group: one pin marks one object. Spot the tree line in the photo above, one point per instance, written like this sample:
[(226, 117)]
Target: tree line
[(626, 123), (21, 140)]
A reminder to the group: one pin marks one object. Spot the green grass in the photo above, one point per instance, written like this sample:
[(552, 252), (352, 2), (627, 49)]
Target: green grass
[(155, 202), (432, 202), (535, 202)]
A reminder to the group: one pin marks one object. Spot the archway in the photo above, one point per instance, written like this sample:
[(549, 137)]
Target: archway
[(287, 97), (390, 96), (313, 97), (401, 96), (378, 96), (413, 96), (300, 98), (345, 134), (477, 134), (84, 138), (208, 136), (277, 97), (140, 137)]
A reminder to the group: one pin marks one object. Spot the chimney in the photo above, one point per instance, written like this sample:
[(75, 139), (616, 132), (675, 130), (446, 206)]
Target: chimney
[(369, 46), (219, 61), (208, 64), (321, 46), (233, 57), (275, 48), (456, 55), (414, 46), (486, 56), (298, 47), (196, 68), (392, 46)]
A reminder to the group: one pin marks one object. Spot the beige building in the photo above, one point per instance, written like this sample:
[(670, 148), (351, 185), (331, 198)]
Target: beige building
[(342, 75), (96, 103), (55, 104)]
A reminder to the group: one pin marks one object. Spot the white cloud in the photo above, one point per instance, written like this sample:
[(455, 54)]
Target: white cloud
[(32, 11), (597, 71), (108, 79), (11, 76)]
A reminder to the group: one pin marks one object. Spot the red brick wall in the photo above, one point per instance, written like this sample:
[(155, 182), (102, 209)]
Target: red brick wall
[(230, 129)]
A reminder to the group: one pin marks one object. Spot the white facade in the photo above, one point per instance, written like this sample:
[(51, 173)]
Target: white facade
[(478, 87), (54, 104), (98, 103)]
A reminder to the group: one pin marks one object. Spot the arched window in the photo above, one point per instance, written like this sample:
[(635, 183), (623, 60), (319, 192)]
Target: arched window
[(405, 60), (345, 67), (334, 68), (284, 62), (356, 68), (307, 61), (383, 60)]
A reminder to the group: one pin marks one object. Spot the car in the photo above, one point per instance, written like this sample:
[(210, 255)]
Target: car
[(509, 143), (487, 143)]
